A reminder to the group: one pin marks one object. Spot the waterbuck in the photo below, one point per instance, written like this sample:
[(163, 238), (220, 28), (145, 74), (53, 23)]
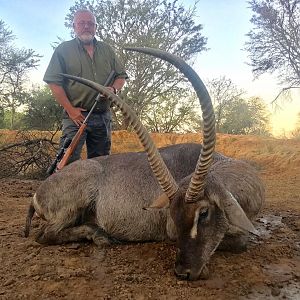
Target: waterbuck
[(186, 192)]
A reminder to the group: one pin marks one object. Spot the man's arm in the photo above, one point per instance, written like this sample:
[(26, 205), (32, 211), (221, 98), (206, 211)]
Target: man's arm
[(61, 97), (117, 85)]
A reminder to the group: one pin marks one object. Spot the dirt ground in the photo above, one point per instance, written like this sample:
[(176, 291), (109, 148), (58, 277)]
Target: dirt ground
[(268, 269)]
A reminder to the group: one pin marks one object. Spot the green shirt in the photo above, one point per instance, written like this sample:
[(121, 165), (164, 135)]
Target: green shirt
[(71, 57)]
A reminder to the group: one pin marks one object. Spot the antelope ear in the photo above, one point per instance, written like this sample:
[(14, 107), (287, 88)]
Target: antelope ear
[(236, 215), (162, 201)]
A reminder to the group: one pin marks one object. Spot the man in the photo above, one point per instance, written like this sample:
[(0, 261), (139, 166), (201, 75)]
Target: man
[(86, 57)]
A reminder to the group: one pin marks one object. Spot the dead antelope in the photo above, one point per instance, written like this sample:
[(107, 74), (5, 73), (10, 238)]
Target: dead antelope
[(199, 198)]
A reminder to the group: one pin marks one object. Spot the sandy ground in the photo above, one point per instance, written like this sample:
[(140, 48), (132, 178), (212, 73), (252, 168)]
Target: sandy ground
[(268, 269)]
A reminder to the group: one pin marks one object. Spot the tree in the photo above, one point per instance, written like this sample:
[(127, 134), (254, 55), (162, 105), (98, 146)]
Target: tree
[(274, 42), (154, 23), (246, 117), (222, 91), (5, 116), (174, 115), (42, 112), (14, 66)]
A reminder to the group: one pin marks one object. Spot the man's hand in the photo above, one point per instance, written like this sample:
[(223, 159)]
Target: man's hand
[(61, 97), (76, 115), (112, 89)]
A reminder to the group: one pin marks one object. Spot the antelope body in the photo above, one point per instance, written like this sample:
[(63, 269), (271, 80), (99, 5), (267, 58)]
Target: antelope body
[(186, 192), (114, 190)]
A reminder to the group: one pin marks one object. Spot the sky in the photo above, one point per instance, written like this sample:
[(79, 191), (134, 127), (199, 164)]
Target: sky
[(38, 23)]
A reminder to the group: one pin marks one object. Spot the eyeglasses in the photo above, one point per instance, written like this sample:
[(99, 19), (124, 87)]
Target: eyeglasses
[(88, 24)]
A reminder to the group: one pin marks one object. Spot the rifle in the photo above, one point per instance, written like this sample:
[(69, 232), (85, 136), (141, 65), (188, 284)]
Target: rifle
[(70, 145)]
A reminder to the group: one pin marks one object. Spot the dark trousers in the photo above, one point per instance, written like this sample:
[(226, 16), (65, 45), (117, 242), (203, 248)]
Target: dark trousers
[(97, 134)]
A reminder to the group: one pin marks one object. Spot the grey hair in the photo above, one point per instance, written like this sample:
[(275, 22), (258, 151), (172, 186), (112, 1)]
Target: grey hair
[(82, 10)]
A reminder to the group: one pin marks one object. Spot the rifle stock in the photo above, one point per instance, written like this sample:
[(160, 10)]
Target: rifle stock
[(72, 147), (68, 153)]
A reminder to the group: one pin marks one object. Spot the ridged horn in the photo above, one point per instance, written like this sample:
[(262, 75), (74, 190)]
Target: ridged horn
[(196, 186), (160, 170)]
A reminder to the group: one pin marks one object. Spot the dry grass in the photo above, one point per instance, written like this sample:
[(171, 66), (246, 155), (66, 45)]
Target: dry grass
[(279, 153)]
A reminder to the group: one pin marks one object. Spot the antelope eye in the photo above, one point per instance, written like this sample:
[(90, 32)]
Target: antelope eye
[(203, 214)]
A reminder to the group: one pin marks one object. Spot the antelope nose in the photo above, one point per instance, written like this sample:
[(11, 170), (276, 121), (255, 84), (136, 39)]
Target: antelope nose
[(182, 273), (183, 276)]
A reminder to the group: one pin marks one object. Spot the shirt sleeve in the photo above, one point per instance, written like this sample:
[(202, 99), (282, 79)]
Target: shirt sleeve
[(118, 67), (120, 71), (55, 67)]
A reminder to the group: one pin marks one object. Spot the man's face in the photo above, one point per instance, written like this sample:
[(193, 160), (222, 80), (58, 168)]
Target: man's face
[(85, 27)]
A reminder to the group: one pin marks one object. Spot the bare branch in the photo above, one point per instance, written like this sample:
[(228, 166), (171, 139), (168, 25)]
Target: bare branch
[(283, 93), (30, 156)]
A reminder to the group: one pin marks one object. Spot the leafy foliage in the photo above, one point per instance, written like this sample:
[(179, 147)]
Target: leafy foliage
[(174, 115), (246, 117), (222, 91), (234, 114), (274, 42), (14, 66), (42, 112), (6, 117)]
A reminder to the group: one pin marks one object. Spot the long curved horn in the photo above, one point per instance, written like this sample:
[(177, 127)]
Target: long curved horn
[(196, 186), (160, 170)]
